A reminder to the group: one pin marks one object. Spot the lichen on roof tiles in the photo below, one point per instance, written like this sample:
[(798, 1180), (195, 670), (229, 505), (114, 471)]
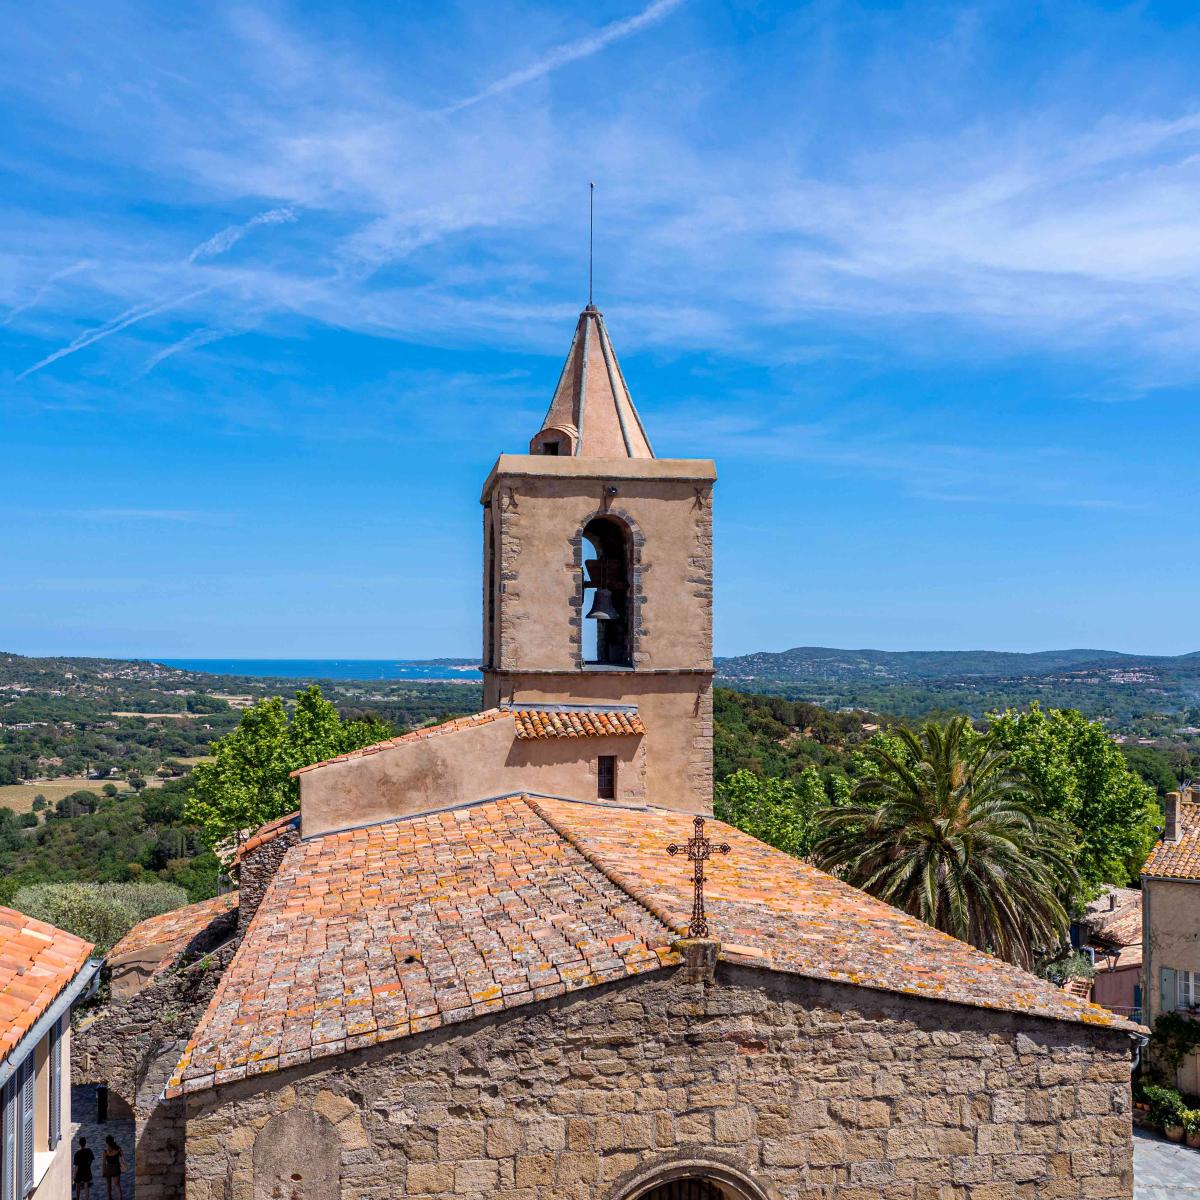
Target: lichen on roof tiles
[(368, 935), (37, 961), (373, 933), (172, 931), (792, 917)]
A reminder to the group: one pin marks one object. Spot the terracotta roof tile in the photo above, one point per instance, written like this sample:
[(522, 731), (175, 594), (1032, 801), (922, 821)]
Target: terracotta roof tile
[(267, 833), (371, 934), (775, 911), (1116, 917), (368, 935), (577, 722), (1180, 859), (171, 932), (37, 961)]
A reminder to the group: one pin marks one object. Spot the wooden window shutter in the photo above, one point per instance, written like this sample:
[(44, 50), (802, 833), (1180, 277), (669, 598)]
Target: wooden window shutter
[(28, 1091), (8, 1149), (56, 1083), (1166, 989)]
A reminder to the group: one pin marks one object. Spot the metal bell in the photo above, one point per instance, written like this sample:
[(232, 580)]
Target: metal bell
[(602, 607)]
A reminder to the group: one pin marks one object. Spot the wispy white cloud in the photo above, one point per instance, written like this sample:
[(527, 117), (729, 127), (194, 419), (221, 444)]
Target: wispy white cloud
[(561, 56), (193, 341), (219, 243), (45, 288)]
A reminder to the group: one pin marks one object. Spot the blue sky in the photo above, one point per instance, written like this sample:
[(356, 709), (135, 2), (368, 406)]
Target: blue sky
[(278, 282)]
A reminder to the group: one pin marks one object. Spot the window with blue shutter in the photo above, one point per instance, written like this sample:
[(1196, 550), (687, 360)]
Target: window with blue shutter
[(28, 1092), (8, 1146), (1166, 989), (55, 1126)]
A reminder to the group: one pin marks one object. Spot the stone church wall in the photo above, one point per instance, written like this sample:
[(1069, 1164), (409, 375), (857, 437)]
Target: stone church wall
[(801, 1088)]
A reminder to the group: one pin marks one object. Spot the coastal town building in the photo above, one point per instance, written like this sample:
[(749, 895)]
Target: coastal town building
[(482, 960), (1171, 922), (43, 972), (1111, 932)]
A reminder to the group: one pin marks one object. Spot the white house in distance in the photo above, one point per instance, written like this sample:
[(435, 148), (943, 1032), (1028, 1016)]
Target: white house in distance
[(43, 971)]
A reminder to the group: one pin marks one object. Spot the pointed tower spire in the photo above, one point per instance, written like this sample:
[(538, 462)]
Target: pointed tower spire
[(592, 414)]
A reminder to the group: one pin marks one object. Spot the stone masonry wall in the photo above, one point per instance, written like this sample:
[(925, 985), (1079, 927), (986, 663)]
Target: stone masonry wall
[(257, 869), (797, 1088)]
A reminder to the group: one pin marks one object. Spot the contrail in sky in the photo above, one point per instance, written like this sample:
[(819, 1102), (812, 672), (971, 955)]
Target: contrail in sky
[(130, 316), (572, 52), (200, 337), (40, 294), (217, 244)]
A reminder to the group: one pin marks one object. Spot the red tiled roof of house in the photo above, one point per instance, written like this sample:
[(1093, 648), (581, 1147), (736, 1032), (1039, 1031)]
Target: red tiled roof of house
[(368, 935), (171, 931), (1179, 859), (534, 722), (37, 961), (266, 833), (1115, 916)]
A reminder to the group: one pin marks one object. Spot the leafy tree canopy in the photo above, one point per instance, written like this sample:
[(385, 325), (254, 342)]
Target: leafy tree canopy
[(102, 913), (247, 782), (780, 812), (1080, 778)]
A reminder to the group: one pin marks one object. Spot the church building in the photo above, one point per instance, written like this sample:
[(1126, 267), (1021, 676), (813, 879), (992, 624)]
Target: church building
[(480, 960)]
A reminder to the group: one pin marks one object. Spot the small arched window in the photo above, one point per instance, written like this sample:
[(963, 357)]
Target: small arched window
[(606, 569)]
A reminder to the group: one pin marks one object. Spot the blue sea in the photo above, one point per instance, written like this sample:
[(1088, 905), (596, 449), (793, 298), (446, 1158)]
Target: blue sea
[(359, 669)]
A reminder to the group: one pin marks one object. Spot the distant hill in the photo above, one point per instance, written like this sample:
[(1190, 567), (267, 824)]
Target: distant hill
[(910, 683)]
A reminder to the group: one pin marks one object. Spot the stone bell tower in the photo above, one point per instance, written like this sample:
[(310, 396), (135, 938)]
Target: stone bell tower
[(598, 573)]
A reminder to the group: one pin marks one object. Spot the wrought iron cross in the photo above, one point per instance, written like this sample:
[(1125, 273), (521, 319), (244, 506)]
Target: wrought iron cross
[(698, 849)]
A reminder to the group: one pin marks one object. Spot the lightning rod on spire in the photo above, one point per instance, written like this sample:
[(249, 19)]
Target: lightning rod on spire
[(591, 231)]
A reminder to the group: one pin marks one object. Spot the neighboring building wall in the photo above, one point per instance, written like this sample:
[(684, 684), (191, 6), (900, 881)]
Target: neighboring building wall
[(1117, 989), (134, 1047), (807, 1088), (1171, 911), (473, 763), (55, 1183)]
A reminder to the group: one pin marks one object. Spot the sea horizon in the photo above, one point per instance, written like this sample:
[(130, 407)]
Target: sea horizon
[(451, 670)]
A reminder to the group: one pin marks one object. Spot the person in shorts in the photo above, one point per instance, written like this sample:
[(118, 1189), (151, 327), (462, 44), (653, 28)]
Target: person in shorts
[(81, 1176)]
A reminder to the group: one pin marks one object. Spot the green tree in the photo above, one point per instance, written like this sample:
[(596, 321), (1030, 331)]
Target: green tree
[(136, 781), (1081, 779), (248, 783), (779, 812), (102, 913), (943, 829)]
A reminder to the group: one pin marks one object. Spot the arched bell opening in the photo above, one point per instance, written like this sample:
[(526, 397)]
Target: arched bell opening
[(606, 598)]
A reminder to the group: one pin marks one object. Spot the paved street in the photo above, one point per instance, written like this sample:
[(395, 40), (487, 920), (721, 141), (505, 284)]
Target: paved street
[(83, 1112), (1163, 1170)]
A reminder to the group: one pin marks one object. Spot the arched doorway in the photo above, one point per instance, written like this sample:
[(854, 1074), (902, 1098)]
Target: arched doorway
[(688, 1189), (694, 1179)]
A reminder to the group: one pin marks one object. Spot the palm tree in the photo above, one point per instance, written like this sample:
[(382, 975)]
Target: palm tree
[(945, 832)]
